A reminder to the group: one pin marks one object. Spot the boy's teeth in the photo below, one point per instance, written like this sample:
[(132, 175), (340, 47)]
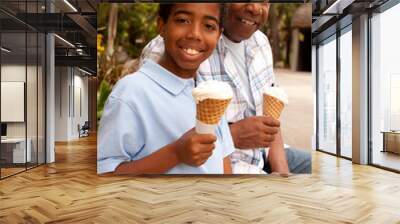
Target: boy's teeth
[(247, 22), (191, 51)]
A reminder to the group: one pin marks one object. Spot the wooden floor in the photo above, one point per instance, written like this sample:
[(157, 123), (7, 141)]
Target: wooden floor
[(388, 159), (69, 191), (10, 171)]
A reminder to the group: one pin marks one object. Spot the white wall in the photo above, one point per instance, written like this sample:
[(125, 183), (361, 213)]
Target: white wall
[(80, 84), (12, 73), (71, 87), (33, 127), (62, 81)]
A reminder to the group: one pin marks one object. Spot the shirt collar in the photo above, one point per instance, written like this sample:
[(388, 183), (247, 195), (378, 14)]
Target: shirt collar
[(228, 43), (167, 80), (249, 44)]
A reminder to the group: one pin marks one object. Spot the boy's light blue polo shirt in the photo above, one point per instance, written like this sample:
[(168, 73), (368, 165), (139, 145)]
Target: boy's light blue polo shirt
[(148, 110)]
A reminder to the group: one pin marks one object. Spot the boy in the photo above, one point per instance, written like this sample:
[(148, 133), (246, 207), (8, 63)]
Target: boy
[(243, 58), (144, 128)]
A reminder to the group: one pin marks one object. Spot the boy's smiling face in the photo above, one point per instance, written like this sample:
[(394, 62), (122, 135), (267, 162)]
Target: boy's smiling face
[(190, 35), (243, 19)]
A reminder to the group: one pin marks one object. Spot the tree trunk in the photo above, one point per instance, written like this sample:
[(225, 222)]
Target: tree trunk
[(289, 45), (112, 29), (274, 33)]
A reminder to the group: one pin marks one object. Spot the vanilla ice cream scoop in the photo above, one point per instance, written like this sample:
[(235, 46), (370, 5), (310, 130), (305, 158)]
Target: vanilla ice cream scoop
[(212, 89), (278, 93)]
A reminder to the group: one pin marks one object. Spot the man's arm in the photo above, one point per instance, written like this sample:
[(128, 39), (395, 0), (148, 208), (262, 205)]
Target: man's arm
[(261, 132), (277, 156), (227, 165)]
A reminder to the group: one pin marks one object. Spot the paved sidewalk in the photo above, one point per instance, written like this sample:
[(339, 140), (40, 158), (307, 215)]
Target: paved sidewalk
[(297, 118)]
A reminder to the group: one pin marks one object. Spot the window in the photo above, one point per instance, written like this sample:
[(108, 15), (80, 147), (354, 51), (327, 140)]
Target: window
[(385, 84), (346, 75), (327, 96), (22, 76)]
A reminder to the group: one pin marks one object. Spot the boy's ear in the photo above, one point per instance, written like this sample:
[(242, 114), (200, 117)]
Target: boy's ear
[(160, 26)]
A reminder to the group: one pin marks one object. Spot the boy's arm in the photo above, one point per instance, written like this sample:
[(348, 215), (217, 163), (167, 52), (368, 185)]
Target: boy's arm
[(227, 165), (277, 155), (157, 163), (227, 143), (192, 149)]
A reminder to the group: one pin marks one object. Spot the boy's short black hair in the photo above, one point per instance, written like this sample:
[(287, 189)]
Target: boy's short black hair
[(165, 10)]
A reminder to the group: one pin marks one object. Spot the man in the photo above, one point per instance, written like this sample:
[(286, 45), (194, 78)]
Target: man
[(243, 58)]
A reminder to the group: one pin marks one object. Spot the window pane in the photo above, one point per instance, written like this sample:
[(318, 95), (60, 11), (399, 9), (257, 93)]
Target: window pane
[(15, 150), (346, 94), (327, 96)]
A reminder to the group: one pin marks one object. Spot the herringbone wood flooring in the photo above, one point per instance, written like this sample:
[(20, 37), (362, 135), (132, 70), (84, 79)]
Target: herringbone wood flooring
[(69, 191)]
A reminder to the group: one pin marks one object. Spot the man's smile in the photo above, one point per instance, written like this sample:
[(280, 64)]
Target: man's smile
[(248, 22)]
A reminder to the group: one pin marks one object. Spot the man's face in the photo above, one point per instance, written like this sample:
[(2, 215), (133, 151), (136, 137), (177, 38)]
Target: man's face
[(243, 19), (190, 35)]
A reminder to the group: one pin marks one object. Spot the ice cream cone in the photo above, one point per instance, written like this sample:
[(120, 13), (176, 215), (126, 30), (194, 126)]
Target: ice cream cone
[(272, 106), (209, 111), (212, 98), (274, 100)]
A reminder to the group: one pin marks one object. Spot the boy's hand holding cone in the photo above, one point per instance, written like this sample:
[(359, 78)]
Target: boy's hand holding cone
[(194, 149), (212, 98)]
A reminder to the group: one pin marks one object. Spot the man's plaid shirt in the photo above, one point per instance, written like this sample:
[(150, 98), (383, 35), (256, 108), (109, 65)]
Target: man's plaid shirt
[(220, 66)]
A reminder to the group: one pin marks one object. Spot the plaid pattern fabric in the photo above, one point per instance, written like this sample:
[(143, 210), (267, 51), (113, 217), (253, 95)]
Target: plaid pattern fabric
[(153, 50), (220, 66)]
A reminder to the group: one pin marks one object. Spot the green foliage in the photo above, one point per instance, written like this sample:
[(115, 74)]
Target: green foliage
[(102, 94), (136, 25)]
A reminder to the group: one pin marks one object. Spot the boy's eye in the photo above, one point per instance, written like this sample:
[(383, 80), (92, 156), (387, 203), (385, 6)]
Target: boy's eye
[(211, 27)]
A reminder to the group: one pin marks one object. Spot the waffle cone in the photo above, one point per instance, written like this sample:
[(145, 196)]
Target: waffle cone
[(272, 106), (209, 111)]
